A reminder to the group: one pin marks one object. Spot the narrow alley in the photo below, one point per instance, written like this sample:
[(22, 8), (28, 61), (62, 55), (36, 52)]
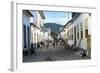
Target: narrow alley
[(56, 36)]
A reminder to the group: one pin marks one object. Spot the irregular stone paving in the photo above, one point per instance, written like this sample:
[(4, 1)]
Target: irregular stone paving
[(52, 53)]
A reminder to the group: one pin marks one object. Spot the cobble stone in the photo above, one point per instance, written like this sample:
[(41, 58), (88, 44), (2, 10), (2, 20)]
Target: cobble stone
[(53, 53)]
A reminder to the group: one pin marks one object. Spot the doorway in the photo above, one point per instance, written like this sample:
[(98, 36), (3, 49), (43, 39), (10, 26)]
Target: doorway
[(75, 35)]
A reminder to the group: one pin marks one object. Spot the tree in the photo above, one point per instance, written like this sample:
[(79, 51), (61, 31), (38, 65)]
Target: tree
[(54, 35)]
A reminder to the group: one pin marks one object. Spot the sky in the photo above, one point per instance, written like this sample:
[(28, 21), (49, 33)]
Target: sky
[(56, 17)]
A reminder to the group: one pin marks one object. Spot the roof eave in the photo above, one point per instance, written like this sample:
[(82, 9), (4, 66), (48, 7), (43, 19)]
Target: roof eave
[(29, 13), (41, 14)]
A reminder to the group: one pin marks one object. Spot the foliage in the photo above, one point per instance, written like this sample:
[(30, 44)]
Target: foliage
[(54, 35)]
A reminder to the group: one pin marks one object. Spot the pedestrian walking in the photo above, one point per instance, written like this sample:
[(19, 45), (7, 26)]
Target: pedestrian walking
[(32, 50)]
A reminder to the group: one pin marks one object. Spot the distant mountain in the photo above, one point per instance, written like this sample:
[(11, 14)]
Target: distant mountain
[(53, 26)]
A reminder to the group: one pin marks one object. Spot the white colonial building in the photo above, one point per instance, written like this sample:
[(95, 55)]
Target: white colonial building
[(47, 34), (37, 33), (32, 28), (78, 30), (26, 29)]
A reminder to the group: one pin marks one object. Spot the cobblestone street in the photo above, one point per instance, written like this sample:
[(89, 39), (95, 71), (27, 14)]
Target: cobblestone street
[(51, 37), (52, 53)]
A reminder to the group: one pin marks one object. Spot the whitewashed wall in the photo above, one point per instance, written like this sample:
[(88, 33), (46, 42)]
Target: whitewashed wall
[(26, 22), (78, 21), (37, 34)]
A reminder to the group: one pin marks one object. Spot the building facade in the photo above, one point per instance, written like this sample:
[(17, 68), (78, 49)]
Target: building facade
[(32, 28), (26, 29), (37, 33), (78, 31)]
